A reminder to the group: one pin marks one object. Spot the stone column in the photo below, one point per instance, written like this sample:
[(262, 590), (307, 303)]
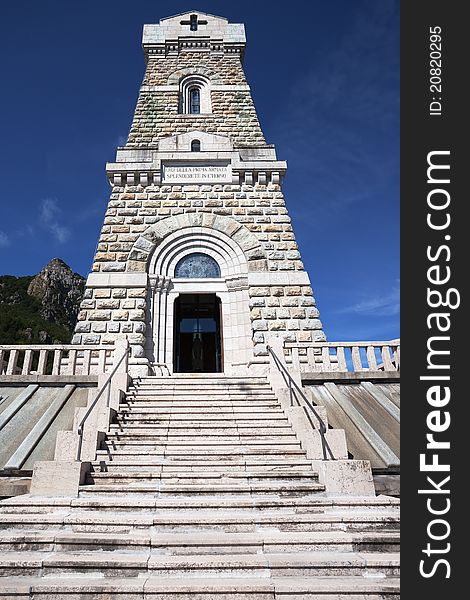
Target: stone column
[(156, 344)]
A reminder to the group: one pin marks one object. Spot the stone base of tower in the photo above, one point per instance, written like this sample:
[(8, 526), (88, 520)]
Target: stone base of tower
[(254, 298), (205, 487)]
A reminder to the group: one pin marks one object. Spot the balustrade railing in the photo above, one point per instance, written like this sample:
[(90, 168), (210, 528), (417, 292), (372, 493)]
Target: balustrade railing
[(55, 359), (304, 357), (343, 357)]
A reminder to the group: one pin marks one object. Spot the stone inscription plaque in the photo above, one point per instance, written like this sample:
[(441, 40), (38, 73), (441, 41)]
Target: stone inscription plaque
[(197, 173)]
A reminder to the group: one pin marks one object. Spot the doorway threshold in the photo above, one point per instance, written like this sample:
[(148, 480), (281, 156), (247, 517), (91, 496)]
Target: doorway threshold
[(192, 375)]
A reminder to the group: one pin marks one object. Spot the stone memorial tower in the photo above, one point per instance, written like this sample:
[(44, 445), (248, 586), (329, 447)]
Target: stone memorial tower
[(197, 263), (209, 486)]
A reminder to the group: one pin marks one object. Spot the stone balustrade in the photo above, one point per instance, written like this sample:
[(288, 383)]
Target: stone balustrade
[(55, 359), (343, 357), (304, 357)]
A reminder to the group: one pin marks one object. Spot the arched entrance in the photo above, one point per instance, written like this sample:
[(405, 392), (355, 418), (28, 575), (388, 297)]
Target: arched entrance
[(197, 334), (198, 261)]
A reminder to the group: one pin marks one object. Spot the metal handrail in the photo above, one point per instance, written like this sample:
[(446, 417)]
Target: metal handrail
[(97, 397), (293, 384)]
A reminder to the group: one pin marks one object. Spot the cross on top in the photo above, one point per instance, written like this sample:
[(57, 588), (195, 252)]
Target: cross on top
[(193, 23)]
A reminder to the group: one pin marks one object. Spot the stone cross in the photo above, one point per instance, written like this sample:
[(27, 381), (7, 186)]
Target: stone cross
[(193, 23)]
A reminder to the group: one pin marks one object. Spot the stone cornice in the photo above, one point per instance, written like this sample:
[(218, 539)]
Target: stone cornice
[(149, 170), (175, 47)]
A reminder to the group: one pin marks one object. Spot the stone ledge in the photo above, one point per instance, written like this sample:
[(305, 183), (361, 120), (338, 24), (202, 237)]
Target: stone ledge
[(320, 376), (49, 379), (276, 279), (117, 280), (241, 87)]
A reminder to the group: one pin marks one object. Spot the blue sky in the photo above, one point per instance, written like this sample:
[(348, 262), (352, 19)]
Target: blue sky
[(325, 80)]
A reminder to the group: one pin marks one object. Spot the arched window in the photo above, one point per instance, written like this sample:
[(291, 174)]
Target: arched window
[(194, 101), (195, 146), (195, 96), (197, 265)]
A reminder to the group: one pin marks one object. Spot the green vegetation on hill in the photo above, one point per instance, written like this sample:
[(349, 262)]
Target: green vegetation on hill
[(40, 309), (20, 315)]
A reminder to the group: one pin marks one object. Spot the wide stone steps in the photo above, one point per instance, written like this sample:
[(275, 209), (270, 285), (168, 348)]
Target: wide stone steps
[(197, 588), (162, 392), (189, 466), (223, 408), (199, 445), (205, 429), (234, 454), (275, 425), (201, 491), (247, 488), (213, 448), (201, 383), (135, 564), (201, 400), (202, 543), (381, 506), (212, 418), (200, 450), (221, 441), (201, 389), (210, 436), (208, 404), (201, 440), (190, 521), (203, 378), (237, 463), (191, 400), (245, 478), (267, 426), (139, 429), (205, 416)]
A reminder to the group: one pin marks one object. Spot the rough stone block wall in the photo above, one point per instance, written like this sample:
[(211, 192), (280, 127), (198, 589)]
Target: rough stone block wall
[(233, 112), (260, 208), (287, 309), (108, 312), (224, 69)]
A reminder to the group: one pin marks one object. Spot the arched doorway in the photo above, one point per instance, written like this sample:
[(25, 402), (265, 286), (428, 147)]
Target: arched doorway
[(197, 334), (199, 261)]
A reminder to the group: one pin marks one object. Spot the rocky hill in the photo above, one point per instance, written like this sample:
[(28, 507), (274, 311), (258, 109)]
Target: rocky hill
[(40, 309)]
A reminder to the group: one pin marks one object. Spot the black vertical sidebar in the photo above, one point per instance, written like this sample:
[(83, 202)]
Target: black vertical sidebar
[(434, 252)]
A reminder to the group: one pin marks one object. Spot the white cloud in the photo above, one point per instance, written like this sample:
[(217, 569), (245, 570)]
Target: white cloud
[(26, 231), (378, 305), (50, 219), (4, 239)]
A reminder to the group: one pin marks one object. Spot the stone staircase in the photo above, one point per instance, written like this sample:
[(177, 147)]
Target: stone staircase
[(201, 490)]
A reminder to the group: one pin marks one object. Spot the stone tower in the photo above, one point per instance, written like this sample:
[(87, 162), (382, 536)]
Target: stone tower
[(197, 262)]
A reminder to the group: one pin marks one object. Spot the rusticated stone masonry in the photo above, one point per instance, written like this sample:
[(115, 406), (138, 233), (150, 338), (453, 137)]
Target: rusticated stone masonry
[(248, 216), (233, 112), (260, 208)]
